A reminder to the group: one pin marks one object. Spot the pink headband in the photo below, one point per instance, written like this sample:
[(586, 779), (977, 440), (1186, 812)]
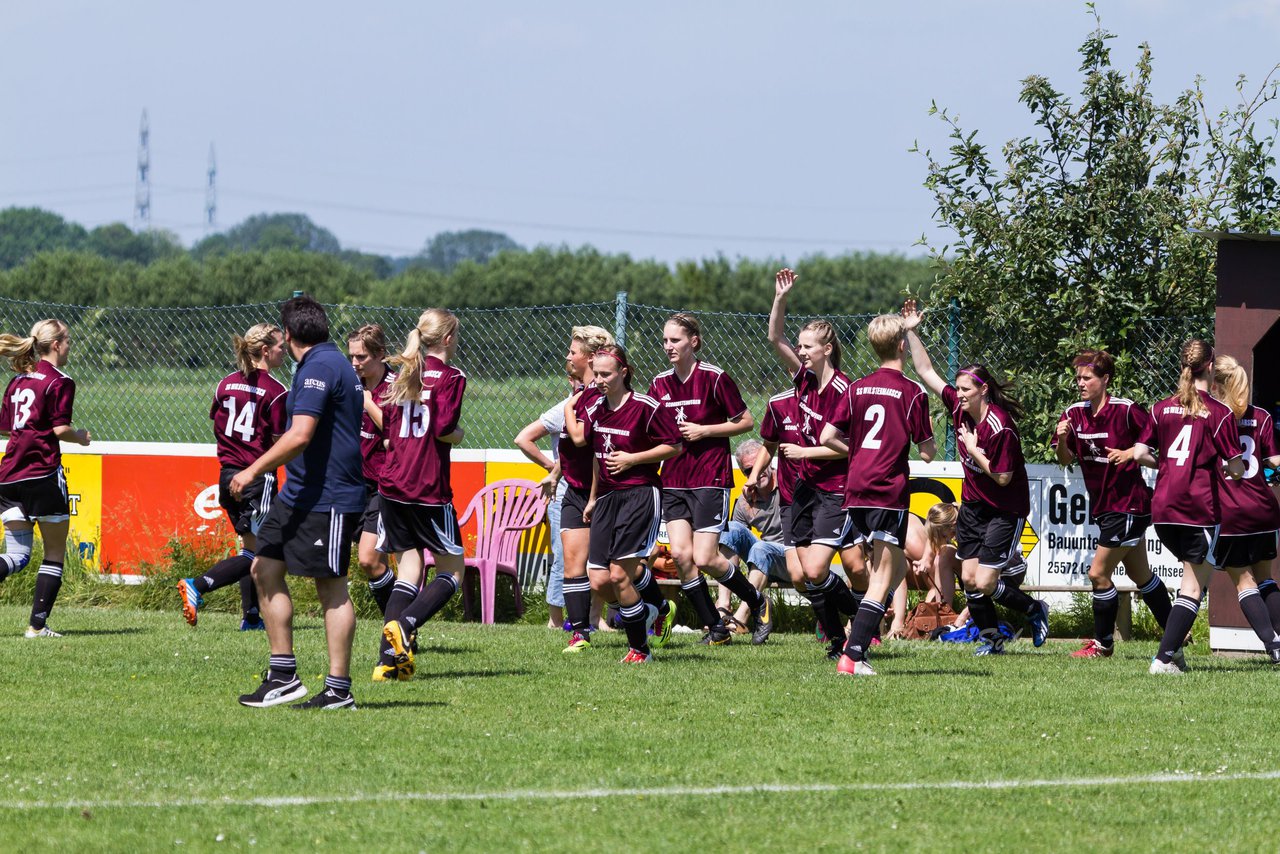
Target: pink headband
[(980, 380)]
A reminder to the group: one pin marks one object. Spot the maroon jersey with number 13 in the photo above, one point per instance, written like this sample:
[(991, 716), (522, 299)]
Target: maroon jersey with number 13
[(34, 404)]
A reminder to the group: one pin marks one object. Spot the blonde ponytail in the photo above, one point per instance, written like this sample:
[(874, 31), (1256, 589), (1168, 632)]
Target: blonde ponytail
[(1232, 383), (249, 348), (25, 353), (434, 326), (1195, 360)]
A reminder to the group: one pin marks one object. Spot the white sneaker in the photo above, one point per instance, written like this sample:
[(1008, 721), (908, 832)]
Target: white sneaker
[(1160, 668), (46, 632)]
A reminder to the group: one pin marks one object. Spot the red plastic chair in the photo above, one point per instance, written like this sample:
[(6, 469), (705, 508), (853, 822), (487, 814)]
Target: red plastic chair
[(503, 511)]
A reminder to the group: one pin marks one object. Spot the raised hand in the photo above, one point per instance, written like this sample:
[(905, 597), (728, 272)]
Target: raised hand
[(783, 281), (911, 314)]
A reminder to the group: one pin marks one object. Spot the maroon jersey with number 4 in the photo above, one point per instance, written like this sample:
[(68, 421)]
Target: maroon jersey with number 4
[(781, 425), (1248, 504), (575, 462), (638, 425), (816, 405), (1189, 479), (248, 415), (1119, 424), (35, 403), (881, 415), (999, 441), (372, 449), (708, 397), (416, 469)]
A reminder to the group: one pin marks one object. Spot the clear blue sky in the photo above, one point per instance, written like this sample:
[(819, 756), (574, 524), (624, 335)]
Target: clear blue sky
[(667, 130)]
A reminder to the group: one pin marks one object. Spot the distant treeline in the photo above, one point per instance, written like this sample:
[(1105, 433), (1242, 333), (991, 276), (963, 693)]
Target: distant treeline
[(45, 258)]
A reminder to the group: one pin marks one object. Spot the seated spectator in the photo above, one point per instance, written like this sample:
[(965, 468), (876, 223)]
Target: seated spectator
[(931, 559)]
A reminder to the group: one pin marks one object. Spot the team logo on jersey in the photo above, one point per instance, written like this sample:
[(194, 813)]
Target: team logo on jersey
[(312, 382), (666, 397), (608, 444), (680, 416)]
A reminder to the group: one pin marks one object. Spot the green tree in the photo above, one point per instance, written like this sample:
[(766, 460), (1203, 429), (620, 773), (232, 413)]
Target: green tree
[(117, 241), (1082, 236), (265, 232), (27, 231), (448, 249)]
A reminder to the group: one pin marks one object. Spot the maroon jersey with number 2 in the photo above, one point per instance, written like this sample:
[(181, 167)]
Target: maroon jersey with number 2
[(638, 425), (35, 403), (416, 470), (881, 415), (248, 415), (1189, 479)]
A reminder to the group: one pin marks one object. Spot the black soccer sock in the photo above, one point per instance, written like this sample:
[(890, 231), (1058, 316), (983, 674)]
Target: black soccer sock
[(828, 615), (577, 603), (249, 600), (1157, 598), (699, 597), (1270, 593), (340, 685), (380, 589), (282, 667), (742, 588), (839, 594), (865, 623), (1181, 617), (224, 572), (633, 620), (402, 594), (983, 611), (1255, 611), (429, 601), (647, 586), (1013, 598), (1106, 604), (48, 583)]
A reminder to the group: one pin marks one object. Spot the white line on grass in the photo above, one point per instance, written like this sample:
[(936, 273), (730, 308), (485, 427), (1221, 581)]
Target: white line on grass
[(658, 792)]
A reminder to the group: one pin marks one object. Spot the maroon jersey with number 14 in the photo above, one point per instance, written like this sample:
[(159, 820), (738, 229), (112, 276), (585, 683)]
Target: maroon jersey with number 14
[(781, 425), (33, 405), (881, 415), (248, 415), (638, 425), (416, 470), (708, 397), (1189, 479), (1248, 504)]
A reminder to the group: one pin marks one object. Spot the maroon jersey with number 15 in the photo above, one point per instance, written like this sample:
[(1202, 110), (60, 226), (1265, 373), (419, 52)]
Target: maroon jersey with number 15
[(416, 470), (1192, 450), (34, 404), (248, 415), (881, 415)]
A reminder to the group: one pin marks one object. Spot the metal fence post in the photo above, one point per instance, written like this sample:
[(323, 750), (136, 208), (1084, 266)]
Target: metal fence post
[(953, 364), (620, 318)]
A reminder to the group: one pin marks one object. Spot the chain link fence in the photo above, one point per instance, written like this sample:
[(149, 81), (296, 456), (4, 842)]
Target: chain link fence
[(149, 374)]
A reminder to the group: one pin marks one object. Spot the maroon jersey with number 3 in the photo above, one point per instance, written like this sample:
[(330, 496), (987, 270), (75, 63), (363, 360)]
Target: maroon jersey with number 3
[(416, 470), (1119, 424), (1189, 479), (781, 425), (708, 397), (34, 404), (999, 441), (372, 449), (248, 415), (816, 406), (639, 424), (881, 415), (1248, 504)]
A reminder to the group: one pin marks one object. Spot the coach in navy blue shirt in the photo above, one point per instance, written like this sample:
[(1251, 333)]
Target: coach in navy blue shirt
[(309, 530)]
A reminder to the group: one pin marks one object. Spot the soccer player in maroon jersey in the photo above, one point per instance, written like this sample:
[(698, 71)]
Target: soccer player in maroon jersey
[(1250, 513), (1103, 434), (995, 497), (876, 422), (420, 416), (35, 416), (707, 408), (817, 518), (568, 481), (1194, 434), (367, 349), (630, 435), (248, 413)]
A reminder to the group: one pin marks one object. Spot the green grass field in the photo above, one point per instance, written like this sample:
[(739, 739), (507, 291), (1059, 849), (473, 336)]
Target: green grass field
[(126, 735)]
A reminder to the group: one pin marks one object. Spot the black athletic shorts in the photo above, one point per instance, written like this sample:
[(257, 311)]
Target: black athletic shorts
[(876, 523), (1191, 543), (314, 545), (705, 509), (624, 525), (38, 498), (372, 510), (249, 511), (817, 517), (1116, 530), (1238, 551), (994, 538), (784, 513), (407, 527), (571, 508)]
